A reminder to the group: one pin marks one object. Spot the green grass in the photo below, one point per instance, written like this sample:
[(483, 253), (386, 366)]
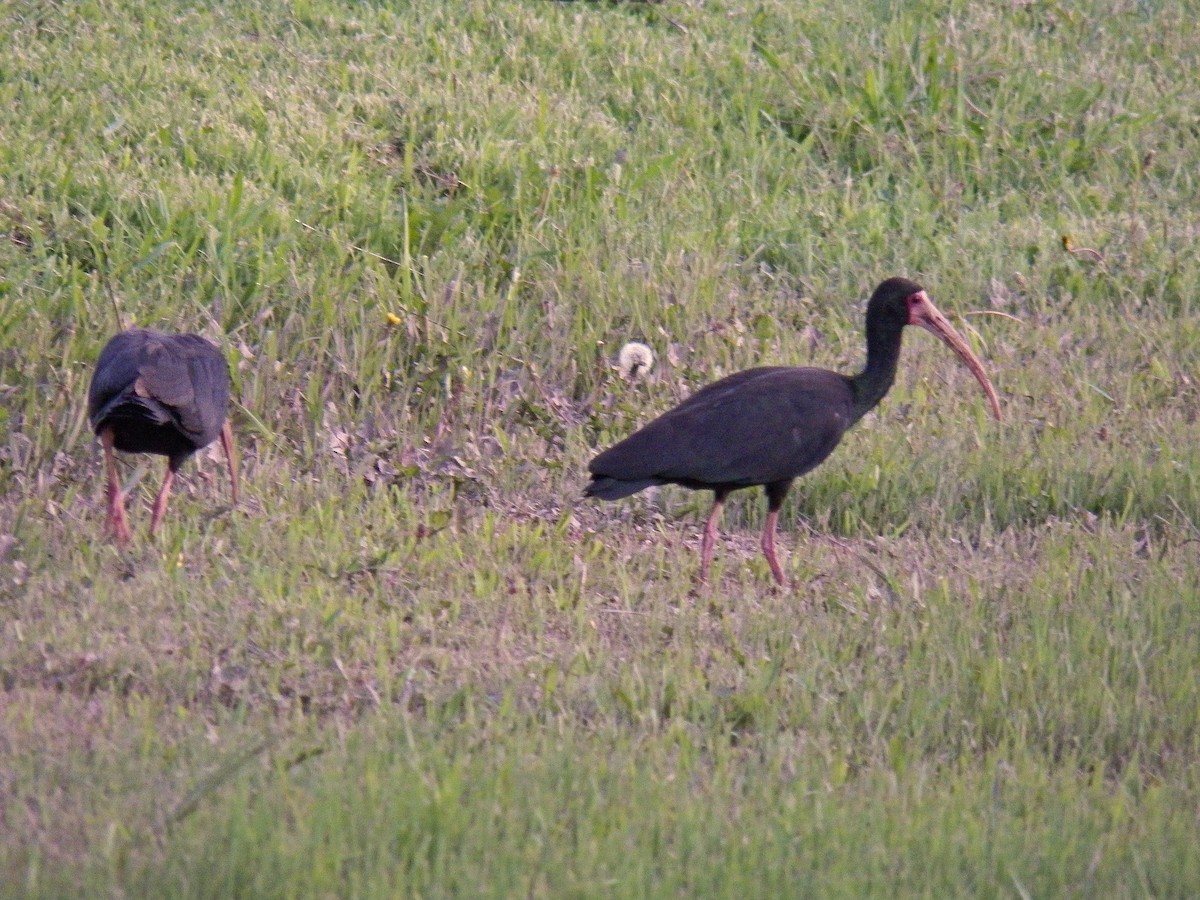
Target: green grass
[(413, 662)]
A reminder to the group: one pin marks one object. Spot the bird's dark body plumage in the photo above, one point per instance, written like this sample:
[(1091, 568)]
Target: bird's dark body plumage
[(160, 393), (759, 426), (166, 394), (770, 425)]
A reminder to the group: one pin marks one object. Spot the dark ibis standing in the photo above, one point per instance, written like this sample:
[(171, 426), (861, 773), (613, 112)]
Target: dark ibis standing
[(769, 425), (158, 393)]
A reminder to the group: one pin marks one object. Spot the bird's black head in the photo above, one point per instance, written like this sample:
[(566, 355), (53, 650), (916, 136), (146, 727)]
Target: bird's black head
[(889, 305), (898, 302)]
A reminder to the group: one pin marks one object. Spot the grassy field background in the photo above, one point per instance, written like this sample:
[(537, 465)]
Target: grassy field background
[(414, 661)]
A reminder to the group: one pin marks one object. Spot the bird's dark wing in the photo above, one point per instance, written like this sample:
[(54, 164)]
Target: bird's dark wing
[(727, 384), (755, 427), (116, 370), (189, 376)]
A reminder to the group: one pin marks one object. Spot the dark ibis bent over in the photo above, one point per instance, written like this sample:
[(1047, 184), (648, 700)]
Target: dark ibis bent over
[(158, 393), (769, 425)]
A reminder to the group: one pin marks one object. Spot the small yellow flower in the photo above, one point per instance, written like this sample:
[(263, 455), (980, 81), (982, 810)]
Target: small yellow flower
[(394, 319)]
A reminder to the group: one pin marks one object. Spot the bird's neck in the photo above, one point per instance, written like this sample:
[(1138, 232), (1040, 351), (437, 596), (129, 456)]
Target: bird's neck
[(883, 354)]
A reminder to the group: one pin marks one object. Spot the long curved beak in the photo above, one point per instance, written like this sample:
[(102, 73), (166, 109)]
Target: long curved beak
[(922, 312)]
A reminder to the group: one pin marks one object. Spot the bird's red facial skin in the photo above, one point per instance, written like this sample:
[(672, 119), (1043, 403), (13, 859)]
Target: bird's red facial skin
[(916, 315)]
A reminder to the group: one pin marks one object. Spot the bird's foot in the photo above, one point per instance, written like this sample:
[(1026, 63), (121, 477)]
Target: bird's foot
[(118, 526)]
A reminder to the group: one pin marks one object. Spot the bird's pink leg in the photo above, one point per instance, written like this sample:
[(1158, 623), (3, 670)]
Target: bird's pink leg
[(768, 545), (708, 544), (160, 502), (230, 457), (116, 498), (776, 492)]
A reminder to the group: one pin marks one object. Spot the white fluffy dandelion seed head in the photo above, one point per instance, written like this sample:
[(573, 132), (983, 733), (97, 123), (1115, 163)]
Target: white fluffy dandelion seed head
[(635, 360)]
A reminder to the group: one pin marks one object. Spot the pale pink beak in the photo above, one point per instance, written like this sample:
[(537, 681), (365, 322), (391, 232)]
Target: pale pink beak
[(922, 312)]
